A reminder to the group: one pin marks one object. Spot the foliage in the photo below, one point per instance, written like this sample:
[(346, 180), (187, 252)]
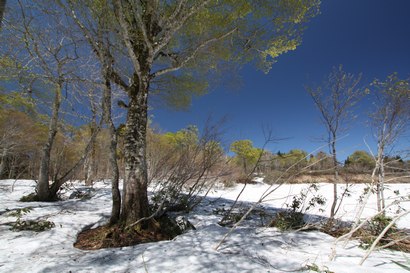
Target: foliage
[(379, 223), (32, 197), (33, 225), (315, 268), (288, 220), (360, 161), (20, 212), (246, 155), (376, 225), (295, 157)]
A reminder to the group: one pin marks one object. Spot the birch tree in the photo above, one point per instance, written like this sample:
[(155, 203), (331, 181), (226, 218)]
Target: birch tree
[(334, 99), (389, 120)]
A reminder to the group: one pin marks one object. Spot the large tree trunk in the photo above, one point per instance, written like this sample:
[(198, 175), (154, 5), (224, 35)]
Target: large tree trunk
[(135, 201), (43, 186), (115, 191)]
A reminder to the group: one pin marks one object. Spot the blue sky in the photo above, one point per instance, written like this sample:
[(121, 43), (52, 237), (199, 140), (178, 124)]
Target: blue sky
[(367, 36)]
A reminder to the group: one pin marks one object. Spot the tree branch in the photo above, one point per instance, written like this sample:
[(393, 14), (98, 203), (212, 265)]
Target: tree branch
[(191, 55), (176, 21), (126, 37)]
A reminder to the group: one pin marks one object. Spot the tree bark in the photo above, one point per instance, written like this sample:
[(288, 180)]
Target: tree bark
[(43, 189), (115, 191), (91, 164), (3, 163), (336, 178), (380, 177), (135, 201)]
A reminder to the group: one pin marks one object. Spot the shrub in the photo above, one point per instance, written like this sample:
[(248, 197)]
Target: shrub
[(20, 212), (288, 220), (33, 225), (32, 197), (375, 227)]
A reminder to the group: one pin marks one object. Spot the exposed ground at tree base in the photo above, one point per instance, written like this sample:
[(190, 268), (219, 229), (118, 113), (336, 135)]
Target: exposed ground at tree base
[(106, 237), (117, 236)]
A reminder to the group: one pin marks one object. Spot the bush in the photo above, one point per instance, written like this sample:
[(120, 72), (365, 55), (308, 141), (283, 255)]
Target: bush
[(315, 268), (288, 220), (20, 212), (32, 197), (33, 225), (379, 223), (373, 230)]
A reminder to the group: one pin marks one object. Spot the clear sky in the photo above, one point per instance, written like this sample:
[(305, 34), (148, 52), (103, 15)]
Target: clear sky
[(367, 36)]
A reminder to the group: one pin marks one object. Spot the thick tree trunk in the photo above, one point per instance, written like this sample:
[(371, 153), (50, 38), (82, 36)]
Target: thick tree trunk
[(43, 189), (116, 195), (115, 191), (135, 201)]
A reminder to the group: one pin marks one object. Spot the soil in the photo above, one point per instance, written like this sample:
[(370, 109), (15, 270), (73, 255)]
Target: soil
[(118, 236)]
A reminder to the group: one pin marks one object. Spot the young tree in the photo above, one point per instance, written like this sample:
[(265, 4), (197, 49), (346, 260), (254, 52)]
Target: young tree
[(389, 120), (246, 154), (179, 43), (334, 99), (93, 18)]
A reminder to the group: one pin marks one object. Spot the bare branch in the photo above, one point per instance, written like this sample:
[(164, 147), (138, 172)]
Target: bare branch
[(126, 37)]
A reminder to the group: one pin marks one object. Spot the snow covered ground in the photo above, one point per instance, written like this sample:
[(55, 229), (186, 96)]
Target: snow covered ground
[(250, 248)]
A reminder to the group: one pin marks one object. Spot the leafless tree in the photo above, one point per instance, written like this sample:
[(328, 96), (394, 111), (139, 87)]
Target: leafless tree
[(94, 23), (47, 50), (334, 99), (389, 120)]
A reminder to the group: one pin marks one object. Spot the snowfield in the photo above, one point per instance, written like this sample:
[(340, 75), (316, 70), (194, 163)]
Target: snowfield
[(250, 248)]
